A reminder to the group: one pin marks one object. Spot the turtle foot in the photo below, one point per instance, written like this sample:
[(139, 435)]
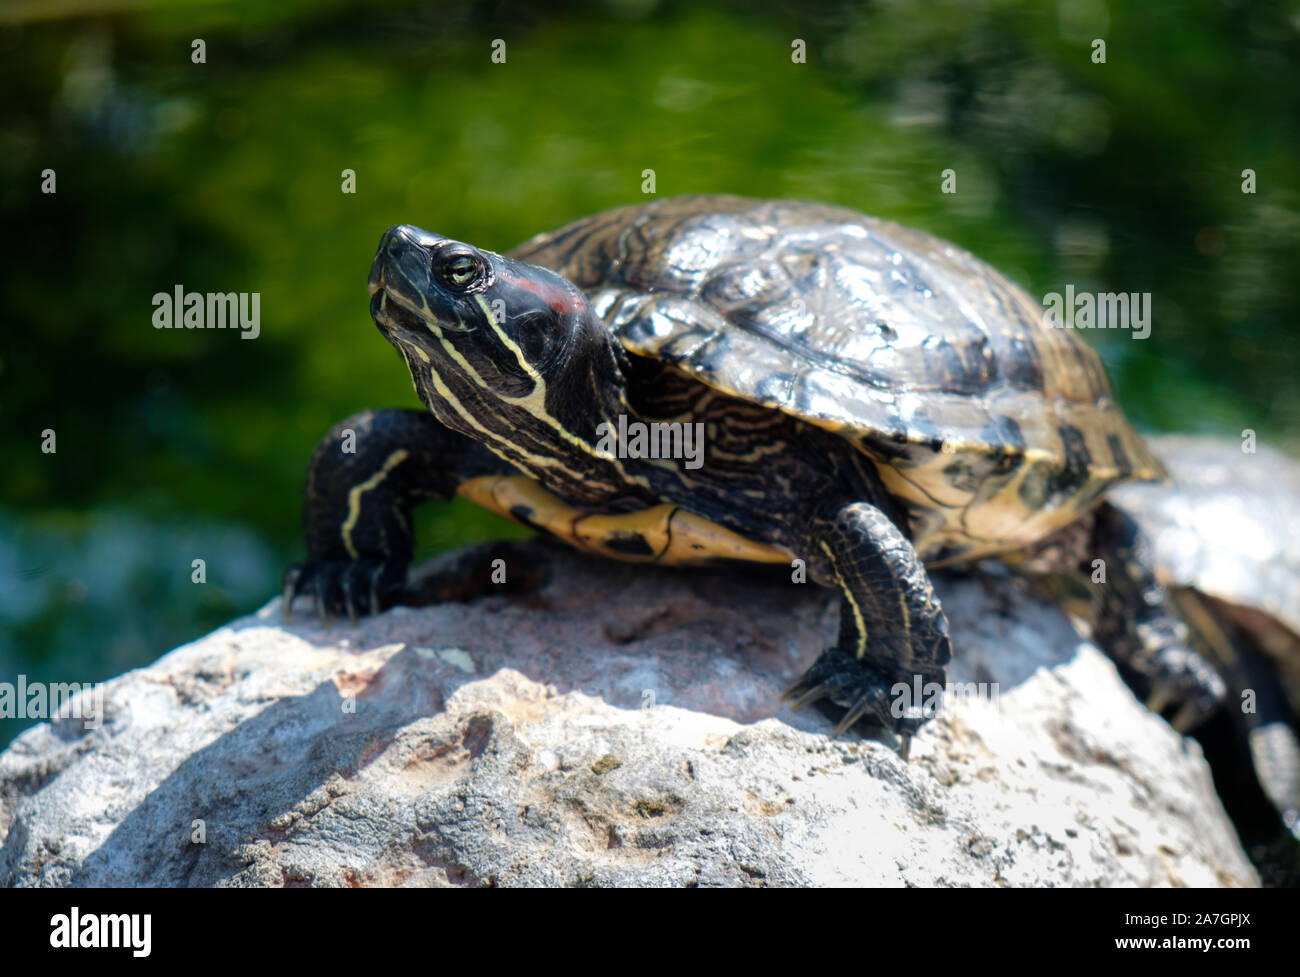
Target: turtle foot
[(1180, 678), (858, 693), (352, 587)]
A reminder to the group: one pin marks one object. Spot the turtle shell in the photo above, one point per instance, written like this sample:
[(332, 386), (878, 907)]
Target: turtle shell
[(992, 427)]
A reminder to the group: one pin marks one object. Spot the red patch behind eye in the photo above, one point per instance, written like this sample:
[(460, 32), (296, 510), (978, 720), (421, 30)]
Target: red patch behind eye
[(561, 300)]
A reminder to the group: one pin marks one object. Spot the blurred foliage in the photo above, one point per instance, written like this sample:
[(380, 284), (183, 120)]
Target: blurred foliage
[(225, 176)]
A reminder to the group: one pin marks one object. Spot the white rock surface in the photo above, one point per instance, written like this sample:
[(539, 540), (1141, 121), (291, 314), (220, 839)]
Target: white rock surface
[(503, 742)]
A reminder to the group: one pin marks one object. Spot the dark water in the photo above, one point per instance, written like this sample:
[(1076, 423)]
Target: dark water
[(177, 445)]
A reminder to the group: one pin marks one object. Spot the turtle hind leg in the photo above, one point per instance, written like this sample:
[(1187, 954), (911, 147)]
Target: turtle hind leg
[(1134, 624), (471, 573), (892, 629), (1257, 710)]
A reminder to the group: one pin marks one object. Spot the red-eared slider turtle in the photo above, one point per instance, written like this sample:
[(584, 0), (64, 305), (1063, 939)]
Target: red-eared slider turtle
[(869, 399), (1226, 541)]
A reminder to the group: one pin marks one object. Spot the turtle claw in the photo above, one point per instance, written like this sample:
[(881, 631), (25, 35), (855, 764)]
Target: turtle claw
[(348, 602), (1187, 719), (856, 712), (374, 590), (353, 587), (326, 619), (798, 696), (1180, 677), (291, 577), (841, 681), (1159, 698), (905, 747)]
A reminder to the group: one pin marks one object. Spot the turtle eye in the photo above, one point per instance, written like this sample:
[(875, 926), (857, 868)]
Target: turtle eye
[(461, 270)]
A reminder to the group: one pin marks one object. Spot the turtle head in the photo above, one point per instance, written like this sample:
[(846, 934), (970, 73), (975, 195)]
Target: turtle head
[(493, 345), (473, 312)]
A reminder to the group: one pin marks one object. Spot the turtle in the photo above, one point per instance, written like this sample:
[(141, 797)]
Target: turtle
[(1225, 535), (714, 378)]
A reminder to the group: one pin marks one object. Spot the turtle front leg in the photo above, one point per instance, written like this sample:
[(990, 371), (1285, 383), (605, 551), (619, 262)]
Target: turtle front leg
[(892, 629), (364, 479), (1134, 623)]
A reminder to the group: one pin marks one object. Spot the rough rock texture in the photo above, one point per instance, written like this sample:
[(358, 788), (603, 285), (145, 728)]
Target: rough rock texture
[(504, 742)]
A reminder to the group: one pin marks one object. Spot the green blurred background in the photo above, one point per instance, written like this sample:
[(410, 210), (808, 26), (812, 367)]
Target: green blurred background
[(225, 176)]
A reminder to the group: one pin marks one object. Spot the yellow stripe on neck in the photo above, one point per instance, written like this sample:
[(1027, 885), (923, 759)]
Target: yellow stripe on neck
[(535, 402)]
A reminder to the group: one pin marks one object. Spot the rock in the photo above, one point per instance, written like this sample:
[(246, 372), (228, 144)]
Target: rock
[(504, 742)]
